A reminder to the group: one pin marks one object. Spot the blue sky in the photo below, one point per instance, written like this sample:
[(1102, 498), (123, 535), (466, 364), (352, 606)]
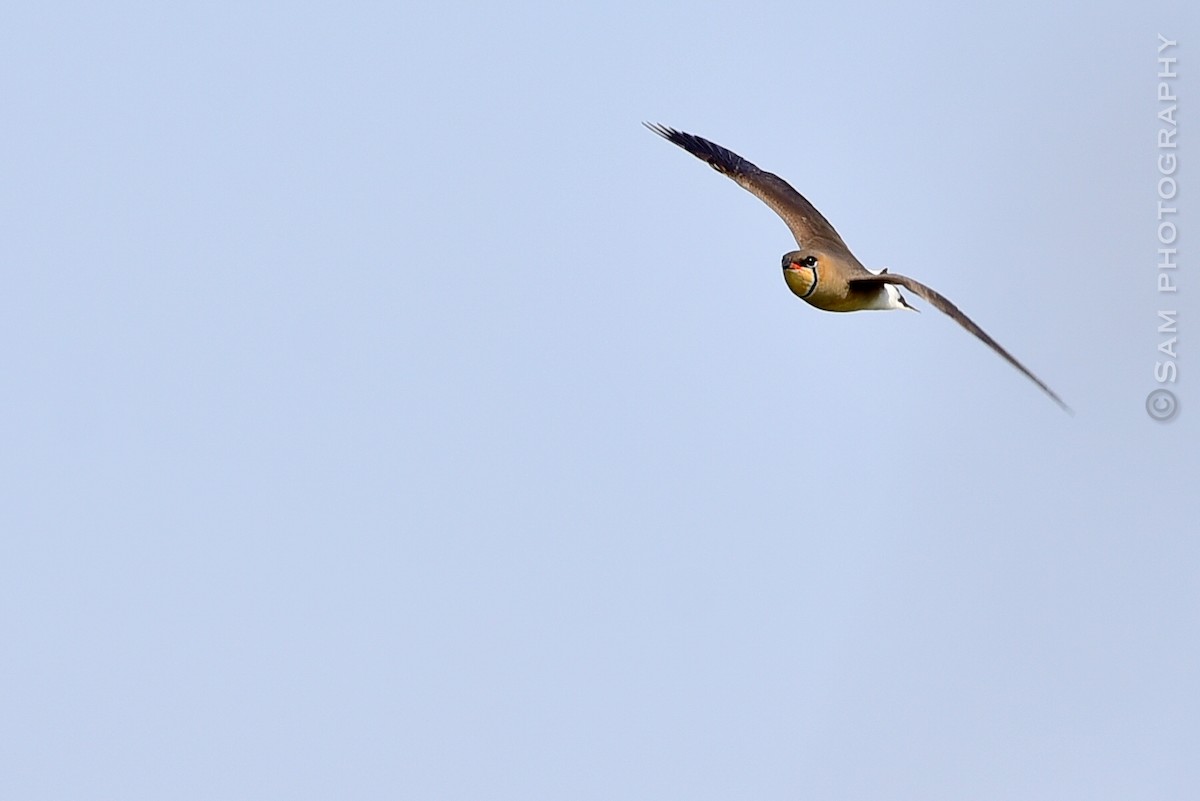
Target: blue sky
[(389, 415)]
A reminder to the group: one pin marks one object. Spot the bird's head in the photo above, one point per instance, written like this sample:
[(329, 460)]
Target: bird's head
[(802, 271)]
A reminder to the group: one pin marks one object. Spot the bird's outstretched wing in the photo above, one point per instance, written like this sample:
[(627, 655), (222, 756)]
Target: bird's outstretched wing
[(805, 222), (941, 303)]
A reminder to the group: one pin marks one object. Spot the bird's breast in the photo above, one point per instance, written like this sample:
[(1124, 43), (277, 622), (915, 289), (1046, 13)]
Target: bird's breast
[(818, 288)]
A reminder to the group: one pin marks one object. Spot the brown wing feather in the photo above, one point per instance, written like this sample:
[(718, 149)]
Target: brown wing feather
[(806, 223), (941, 303)]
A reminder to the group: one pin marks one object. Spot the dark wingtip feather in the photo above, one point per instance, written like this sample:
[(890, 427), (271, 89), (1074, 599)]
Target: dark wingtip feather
[(717, 157), (664, 131)]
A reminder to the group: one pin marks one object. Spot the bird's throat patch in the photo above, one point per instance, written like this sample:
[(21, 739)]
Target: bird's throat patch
[(802, 281), (815, 279)]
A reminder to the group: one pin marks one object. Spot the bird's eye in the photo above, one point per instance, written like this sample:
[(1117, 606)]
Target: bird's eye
[(810, 261)]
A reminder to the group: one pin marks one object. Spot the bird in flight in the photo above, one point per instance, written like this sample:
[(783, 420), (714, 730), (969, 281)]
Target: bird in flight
[(823, 272)]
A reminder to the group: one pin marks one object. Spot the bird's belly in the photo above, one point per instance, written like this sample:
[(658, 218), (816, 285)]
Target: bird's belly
[(836, 302)]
